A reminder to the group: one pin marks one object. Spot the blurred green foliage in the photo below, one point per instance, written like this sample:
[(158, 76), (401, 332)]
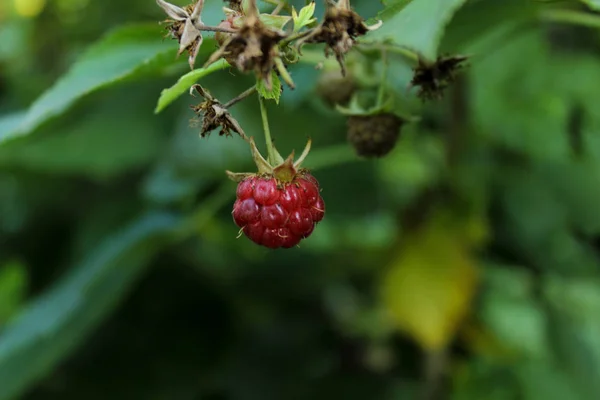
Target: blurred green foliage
[(464, 265)]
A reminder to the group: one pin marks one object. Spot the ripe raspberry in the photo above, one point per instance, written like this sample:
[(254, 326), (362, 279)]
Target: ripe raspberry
[(275, 214), (278, 206), (374, 135)]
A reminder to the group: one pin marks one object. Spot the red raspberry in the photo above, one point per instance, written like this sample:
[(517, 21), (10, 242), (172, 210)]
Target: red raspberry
[(276, 214)]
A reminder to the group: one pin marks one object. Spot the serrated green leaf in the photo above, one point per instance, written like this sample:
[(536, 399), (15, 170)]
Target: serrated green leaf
[(304, 17), (417, 25), (271, 94), (55, 323), (275, 21), (123, 54), (169, 95)]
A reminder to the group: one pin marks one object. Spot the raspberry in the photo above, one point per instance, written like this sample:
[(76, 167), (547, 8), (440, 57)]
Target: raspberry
[(278, 214), (374, 135), (335, 88)]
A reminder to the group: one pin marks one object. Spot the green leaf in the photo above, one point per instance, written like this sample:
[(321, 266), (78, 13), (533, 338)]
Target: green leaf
[(53, 325), (275, 21), (304, 17), (13, 284), (123, 54), (10, 122), (167, 96), (593, 4), (510, 312), (547, 381), (271, 94), (106, 142), (417, 25), (392, 7), (574, 306)]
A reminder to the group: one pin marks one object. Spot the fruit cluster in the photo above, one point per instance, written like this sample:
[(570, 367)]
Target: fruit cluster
[(277, 215)]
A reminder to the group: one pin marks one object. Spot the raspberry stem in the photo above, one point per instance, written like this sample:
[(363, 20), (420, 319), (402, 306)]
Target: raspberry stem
[(267, 131), (383, 83), (409, 54), (241, 97)]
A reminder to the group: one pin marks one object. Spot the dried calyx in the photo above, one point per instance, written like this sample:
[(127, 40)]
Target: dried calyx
[(339, 30), (215, 115), (234, 5), (433, 78), (253, 47), (284, 171), (186, 26)]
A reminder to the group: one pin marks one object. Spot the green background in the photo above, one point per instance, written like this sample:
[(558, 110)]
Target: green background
[(121, 275)]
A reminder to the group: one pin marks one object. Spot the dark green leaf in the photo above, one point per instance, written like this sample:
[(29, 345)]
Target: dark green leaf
[(122, 54), (418, 25), (510, 311), (104, 143), (593, 4), (54, 324)]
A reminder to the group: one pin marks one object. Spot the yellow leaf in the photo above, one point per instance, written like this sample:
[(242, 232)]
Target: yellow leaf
[(29, 8), (428, 288)]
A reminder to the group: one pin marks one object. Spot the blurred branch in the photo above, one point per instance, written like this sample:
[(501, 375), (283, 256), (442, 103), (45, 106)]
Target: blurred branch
[(570, 17), (332, 156), (434, 374), (204, 212), (459, 119)]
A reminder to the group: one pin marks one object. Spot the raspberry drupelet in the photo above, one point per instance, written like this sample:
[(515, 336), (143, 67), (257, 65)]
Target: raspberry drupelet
[(278, 208)]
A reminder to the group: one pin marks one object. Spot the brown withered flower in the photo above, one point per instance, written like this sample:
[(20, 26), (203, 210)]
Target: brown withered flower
[(182, 25), (234, 5), (214, 115), (253, 47), (339, 30), (433, 78)]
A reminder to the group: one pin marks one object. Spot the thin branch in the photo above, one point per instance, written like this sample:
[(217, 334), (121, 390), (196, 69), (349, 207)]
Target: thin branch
[(267, 131), (240, 97), (202, 27), (296, 36)]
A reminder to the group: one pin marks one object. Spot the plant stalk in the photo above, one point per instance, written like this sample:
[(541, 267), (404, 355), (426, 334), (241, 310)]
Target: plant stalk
[(240, 97), (384, 74), (267, 131)]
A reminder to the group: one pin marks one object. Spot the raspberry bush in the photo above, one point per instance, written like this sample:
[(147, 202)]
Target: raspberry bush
[(260, 44), (437, 238)]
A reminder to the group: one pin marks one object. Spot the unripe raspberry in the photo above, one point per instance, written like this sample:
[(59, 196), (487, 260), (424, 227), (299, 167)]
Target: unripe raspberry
[(278, 214), (335, 88), (374, 135)]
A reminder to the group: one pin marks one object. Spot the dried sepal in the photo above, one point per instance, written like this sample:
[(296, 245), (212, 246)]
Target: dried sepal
[(253, 47), (339, 30), (433, 78), (263, 166), (214, 115), (238, 176), (284, 170), (183, 25), (234, 5)]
